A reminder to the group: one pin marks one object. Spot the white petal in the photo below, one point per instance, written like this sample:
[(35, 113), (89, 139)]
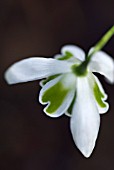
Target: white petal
[(103, 64), (75, 50), (99, 94), (58, 94), (35, 68), (85, 118)]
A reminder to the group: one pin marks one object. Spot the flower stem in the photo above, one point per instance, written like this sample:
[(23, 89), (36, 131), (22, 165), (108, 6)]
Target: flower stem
[(101, 43), (82, 68)]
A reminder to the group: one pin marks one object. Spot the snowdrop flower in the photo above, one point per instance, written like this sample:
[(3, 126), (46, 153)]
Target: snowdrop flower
[(71, 88)]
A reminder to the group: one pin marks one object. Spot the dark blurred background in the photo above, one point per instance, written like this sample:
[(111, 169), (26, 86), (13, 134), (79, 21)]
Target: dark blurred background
[(29, 140)]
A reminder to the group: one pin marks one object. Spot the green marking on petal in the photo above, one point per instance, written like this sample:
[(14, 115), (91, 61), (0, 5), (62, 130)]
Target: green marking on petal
[(49, 78), (67, 56), (55, 95), (98, 96), (71, 106)]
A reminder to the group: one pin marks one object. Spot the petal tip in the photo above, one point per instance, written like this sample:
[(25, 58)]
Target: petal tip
[(86, 153), (7, 78)]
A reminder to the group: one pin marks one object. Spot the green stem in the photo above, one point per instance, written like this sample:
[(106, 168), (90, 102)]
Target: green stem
[(82, 68), (101, 43)]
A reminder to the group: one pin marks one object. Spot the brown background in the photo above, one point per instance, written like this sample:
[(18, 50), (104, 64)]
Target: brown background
[(29, 140)]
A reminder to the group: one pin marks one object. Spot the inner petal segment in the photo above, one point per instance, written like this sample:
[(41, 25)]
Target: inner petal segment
[(58, 94)]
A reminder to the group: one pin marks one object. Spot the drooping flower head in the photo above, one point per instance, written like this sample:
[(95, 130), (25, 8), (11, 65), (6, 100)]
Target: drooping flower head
[(70, 87)]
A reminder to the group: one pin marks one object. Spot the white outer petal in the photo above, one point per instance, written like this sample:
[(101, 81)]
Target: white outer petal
[(85, 120), (102, 63), (35, 68), (75, 50)]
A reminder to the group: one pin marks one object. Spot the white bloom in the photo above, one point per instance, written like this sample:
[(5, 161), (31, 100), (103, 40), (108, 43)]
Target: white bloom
[(67, 91)]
